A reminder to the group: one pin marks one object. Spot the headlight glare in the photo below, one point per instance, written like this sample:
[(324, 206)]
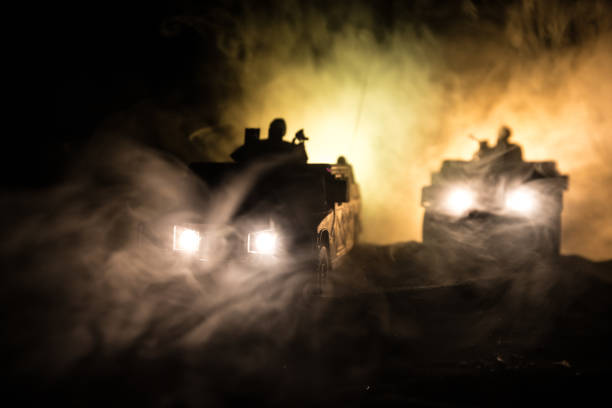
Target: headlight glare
[(262, 242), (459, 200), (521, 200), (186, 239)]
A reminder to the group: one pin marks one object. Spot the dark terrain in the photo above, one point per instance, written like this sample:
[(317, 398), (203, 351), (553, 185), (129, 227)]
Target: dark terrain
[(393, 332)]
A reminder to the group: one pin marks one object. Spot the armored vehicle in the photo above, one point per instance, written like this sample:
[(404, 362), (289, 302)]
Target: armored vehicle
[(277, 210), (495, 206)]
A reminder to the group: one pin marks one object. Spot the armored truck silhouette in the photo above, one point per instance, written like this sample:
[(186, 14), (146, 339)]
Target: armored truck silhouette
[(496, 205), (283, 210)]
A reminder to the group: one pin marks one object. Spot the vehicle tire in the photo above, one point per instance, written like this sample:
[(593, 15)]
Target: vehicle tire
[(316, 283), (322, 272)]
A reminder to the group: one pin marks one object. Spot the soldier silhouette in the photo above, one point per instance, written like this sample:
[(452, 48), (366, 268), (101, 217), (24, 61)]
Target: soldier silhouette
[(508, 151), (274, 146)]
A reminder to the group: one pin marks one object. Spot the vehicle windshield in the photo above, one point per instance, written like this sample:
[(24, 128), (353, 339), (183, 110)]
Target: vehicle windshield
[(300, 188), (303, 191)]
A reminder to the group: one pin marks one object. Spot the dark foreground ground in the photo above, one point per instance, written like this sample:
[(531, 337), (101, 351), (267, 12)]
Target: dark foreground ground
[(393, 330)]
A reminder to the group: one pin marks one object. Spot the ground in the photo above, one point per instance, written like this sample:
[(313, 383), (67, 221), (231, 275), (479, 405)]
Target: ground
[(393, 330)]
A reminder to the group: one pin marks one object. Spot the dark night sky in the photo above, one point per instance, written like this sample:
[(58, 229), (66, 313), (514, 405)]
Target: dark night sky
[(107, 57)]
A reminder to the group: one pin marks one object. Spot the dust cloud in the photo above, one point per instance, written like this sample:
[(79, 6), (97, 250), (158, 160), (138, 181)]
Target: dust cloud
[(90, 269), (398, 91)]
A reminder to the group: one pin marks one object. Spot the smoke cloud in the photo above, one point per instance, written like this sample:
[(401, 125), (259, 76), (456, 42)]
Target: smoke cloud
[(91, 271), (398, 91)]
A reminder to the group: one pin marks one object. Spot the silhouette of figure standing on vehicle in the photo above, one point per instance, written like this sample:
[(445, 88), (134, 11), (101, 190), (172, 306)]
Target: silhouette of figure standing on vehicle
[(506, 150), (272, 147), (275, 141), (503, 151)]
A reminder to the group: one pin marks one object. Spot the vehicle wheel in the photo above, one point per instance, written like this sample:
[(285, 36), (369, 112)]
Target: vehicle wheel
[(322, 271), (317, 282)]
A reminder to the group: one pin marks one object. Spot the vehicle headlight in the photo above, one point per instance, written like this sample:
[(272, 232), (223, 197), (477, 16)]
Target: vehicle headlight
[(262, 242), (459, 200), (186, 239), (521, 200)]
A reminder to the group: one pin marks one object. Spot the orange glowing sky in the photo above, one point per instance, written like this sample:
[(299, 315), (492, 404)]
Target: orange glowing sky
[(396, 111)]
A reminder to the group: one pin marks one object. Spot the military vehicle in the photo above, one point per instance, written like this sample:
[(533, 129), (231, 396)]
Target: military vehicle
[(282, 211), (495, 206)]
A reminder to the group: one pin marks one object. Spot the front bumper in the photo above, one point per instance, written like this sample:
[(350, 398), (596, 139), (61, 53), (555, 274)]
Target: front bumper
[(490, 236)]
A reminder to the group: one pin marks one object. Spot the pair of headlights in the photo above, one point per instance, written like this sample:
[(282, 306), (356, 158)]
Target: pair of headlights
[(520, 200), (191, 241)]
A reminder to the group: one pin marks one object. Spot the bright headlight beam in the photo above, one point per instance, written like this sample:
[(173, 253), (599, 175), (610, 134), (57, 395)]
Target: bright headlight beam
[(262, 242), (186, 239), (520, 200), (459, 200)]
